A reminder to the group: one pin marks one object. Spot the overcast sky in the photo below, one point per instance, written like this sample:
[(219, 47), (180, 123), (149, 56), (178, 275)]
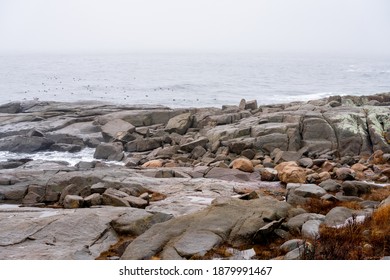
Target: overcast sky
[(326, 26)]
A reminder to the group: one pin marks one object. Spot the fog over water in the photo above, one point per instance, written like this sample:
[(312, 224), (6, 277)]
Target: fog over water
[(279, 26), (192, 53)]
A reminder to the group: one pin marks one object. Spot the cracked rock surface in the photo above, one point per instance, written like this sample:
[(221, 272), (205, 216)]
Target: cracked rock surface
[(227, 219)]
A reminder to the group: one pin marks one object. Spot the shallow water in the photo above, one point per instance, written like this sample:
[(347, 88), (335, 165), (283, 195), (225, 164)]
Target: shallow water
[(72, 159)]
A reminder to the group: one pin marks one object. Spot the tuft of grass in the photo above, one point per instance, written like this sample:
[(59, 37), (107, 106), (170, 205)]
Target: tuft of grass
[(377, 194), (356, 241), (117, 249), (320, 206)]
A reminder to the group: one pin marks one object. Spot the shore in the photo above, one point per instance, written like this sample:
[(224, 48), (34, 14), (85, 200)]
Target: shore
[(285, 181)]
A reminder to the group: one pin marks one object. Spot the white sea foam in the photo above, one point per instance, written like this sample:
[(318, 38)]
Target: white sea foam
[(71, 158)]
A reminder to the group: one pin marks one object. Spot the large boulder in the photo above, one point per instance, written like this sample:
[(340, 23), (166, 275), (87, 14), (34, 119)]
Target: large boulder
[(317, 134), (109, 151), (351, 129), (295, 223), (309, 190), (242, 164), (116, 128), (337, 216), (270, 142), (142, 145), (378, 121), (179, 123), (228, 220), (24, 144)]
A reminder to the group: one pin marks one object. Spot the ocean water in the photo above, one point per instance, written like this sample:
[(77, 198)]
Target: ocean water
[(188, 80), (183, 80)]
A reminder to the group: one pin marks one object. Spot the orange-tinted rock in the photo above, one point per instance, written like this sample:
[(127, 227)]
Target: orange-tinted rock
[(345, 173), (290, 172), (327, 166), (386, 172), (153, 164), (377, 157), (358, 167), (242, 164)]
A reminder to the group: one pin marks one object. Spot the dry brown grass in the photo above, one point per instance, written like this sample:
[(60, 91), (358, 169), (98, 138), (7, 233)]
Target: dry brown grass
[(377, 194), (117, 249), (320, 206), (356, 241)]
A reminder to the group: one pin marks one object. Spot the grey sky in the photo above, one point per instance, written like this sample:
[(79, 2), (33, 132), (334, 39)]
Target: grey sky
[(342, 26)]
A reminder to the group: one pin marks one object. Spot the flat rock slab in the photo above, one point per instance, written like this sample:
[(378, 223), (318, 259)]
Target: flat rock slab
[(61, 234)]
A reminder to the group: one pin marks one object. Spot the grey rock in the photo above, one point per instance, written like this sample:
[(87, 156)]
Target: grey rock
[(250, 105), (304, 251), (136, 202), (35, 194), (188, 147), (116, 128), (98, 188), (309, 190), (266, 230), (34, 132), (198, 152), (311, 229), (305, 162), (14, 192), (295, 223), (229, 220), (109, 151), (179, 124), (268, 174), (231, 174), (45, 234), (142, 145), (11, 164), (138, 221), (330, 185), (355, 188), (290, 245), (338, 216), (93, 200), (24, 144), (11, 108), (8, 179), (248, 153), (196, 243), (109, 199), (242, 104), (74, 189), (268, 143)]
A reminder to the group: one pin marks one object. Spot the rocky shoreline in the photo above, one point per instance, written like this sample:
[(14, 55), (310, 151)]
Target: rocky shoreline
[(246, 181)]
